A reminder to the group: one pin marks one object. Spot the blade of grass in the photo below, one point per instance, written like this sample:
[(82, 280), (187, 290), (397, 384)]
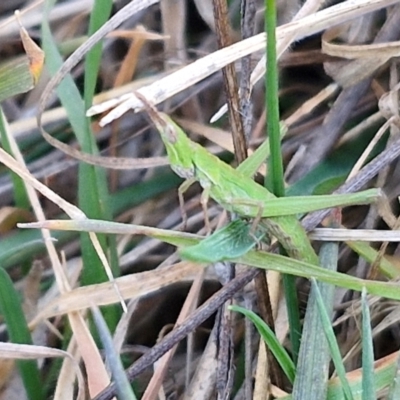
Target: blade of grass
[(333, 345), (20, 196), (92, 190), (272, 342), (18, 331), (274, 180), (122, 384), (275, 177), (15, 78), (368, 381), (370, 254), (314, 357)]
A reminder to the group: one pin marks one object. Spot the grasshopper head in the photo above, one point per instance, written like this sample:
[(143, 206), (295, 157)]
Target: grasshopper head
[(177, 144)]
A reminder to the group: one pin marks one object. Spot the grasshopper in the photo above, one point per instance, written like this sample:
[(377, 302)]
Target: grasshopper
[(239, 194)]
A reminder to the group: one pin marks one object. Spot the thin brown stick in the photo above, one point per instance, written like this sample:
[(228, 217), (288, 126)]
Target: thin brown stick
[(223, 31)]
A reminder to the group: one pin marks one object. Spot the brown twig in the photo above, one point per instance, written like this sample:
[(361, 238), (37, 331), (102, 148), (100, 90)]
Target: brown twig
[(223, 31)]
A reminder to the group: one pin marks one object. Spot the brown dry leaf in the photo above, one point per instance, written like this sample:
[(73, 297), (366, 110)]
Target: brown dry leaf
[(66, 378), (262, 385), (389, 105), (367, 58), (10, 216), (130, 286), (354, 376), (33, 51), (219, 136), (97, 376), (163, 363), (31, 290), (12, 351), (6, 369), (128, 67), (202, 383)]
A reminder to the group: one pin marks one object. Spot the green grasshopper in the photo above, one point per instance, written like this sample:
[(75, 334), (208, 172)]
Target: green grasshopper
[(239, 194)]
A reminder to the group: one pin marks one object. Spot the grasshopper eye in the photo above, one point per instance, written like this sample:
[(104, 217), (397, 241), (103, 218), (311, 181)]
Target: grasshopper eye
[(170, 133)]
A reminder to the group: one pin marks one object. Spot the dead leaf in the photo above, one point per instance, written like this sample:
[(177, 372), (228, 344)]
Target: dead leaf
[(33, 51), (10, 216), (366, 58)]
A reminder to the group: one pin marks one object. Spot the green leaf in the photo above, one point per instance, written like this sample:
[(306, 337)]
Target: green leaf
[(271, 341), (124, 389), (20, 195), (93, 193), (15, 78), (314, 355), (333, 345), (18, 332), (368, 384)]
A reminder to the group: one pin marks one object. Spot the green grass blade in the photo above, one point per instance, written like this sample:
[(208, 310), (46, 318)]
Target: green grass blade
[(368, 381), (90, 175), (252, 163), (92, 192), (314, 357), (24, 245), (18, 331), (333, 345), (15, 78), (21, 199), (274, 180), (369, 254), (100, 14), (122, 384), (271, 341), (275, 176)]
